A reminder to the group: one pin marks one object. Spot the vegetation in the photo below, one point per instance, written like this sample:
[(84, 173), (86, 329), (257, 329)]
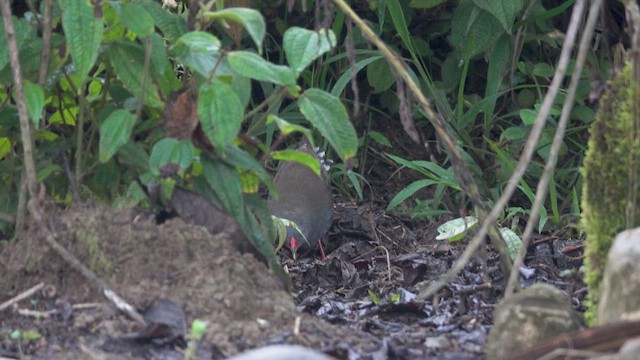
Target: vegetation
[(131, 88)]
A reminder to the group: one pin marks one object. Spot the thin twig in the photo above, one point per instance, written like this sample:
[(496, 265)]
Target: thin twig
[(21, 296)]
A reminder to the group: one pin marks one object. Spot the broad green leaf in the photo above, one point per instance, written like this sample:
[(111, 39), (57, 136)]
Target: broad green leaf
[(83, 33), (135, 18), (513, 241), (127, 60), (115, 131), (425, 4), (255, 67), (503, 10), (198, 50), (303, 158), (250, 19), (171, 25), (220, 113), (5, 146), (34, 98), (171, 151), (528, 116), (408, 191), (455, 229), (380, 76), (379, 138), (225, 182), (515, 133), (303, 46), (43, 173), (543, 70), (328, 115)]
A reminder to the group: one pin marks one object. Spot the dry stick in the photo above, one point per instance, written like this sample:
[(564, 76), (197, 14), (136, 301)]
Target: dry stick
[(78, 266), (461, 171), (21, 296), (541, 191), (25, 130), (525, 158)]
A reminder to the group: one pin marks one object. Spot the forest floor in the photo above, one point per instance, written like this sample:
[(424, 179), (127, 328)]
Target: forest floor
[(357, 303)]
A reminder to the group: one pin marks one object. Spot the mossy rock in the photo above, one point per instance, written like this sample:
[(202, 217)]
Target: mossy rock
[(610, 156)]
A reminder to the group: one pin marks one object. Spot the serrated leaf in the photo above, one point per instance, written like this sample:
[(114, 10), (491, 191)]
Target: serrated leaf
[(255, 67), (513, 241), (115, 131), (303, 158), (329, 116), (250, 19), (128, 61), (225, 182), (303, 46), (455, 229), (220, 113), (135, 18), (22, 33), (34, 99), (83, 33), (198, 50), (171, 151)]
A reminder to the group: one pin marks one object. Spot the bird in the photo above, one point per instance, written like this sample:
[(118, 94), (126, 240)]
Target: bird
[(305, 199)]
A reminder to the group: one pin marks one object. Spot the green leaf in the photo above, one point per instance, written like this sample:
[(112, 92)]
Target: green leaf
[(287, 128), (400, 23), (543, 70), (171, 25), (5, 146), (528, 116), (503, 10), (135, 18), (515, 133), (328, 115), (455, 229), (220, 113), (243, 160), (250, 19), (171, 151), (225, 182), (470, 22), (83, 33), (380, 76), (303, 46), (303, 158), (43, 173), (198, 50), (22, 33), (115, 131), (346, 76), (379, 138), (34, 98), (127, 60), (513, 241), (408, 192), (255, 67)]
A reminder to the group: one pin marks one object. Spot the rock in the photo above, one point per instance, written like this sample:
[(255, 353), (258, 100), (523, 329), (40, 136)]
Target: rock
[(621, 281), (630, 350), (529, 317)]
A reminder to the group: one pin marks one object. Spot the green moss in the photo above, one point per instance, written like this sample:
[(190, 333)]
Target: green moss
[(606, 179)]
